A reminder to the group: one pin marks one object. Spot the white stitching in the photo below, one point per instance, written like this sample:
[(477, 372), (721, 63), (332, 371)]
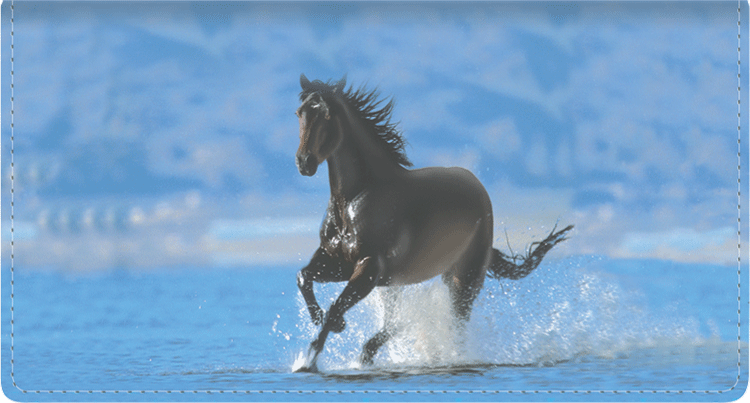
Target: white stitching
[(260, 391)]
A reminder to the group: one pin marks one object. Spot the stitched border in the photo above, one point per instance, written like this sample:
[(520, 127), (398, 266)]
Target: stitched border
[(377, 392), (739, 192), (12, 194)]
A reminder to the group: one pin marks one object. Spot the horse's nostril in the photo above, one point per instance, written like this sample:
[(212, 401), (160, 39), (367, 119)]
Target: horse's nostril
[(306, 165), (303, 160)]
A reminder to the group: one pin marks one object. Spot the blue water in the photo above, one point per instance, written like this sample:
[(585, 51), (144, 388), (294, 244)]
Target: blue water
[(580, 328)]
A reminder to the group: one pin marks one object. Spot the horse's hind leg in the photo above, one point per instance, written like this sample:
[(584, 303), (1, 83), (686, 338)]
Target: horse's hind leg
[(322, 268), (465, 281), (463, 291), (387, 332)]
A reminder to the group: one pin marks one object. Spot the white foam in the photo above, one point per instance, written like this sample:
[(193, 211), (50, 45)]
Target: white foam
[(299, 362), (561, 312)]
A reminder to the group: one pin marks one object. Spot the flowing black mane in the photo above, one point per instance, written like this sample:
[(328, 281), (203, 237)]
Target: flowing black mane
[(367, 106)]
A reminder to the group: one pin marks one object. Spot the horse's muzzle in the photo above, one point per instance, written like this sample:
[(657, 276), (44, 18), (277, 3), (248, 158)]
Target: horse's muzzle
[(307, 165)]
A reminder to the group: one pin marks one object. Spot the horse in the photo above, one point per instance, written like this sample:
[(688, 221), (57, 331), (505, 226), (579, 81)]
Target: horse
[(388, 225)]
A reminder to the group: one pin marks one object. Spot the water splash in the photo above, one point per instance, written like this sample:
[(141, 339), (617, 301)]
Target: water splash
[(299, 362), (565, 310)]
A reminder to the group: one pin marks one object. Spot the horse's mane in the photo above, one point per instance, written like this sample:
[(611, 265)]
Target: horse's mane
[(367, 106)]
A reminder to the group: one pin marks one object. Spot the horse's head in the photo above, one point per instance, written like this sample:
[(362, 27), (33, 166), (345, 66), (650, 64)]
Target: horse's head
[(318, 137)]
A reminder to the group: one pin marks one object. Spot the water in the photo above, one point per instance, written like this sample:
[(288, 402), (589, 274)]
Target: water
[(577, 329)]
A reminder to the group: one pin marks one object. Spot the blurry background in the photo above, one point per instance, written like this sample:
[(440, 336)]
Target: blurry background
[(162, 134)]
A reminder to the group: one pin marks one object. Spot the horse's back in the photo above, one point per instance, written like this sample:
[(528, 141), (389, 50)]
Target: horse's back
[(453, 186)]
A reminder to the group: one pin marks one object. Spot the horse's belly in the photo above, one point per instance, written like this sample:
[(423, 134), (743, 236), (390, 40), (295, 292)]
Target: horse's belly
[(438, 250), (426, 269)]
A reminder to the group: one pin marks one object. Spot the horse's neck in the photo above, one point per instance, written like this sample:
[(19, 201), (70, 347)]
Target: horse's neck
[(347, 174), (358, 162)]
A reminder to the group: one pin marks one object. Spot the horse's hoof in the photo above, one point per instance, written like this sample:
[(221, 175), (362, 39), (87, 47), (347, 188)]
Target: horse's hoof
[(365, 360), (338, 325), (306, 362), (311, 369)]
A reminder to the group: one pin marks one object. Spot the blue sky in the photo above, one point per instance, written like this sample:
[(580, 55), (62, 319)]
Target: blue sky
[(158, 134)]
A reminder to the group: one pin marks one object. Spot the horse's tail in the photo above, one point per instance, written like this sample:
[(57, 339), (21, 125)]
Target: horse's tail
[(504, 266)]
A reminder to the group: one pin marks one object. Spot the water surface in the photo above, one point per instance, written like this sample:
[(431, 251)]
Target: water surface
[(577, 329)]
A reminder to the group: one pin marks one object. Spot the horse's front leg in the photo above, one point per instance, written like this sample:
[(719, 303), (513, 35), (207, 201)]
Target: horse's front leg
[(322, 268), (367, 273)]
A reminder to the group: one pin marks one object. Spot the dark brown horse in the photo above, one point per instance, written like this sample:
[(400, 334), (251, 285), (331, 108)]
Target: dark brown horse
[(386, 224)]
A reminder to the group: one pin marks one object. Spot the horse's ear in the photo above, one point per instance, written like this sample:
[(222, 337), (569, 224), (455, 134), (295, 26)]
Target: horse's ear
[(341, 84), (304, 82)]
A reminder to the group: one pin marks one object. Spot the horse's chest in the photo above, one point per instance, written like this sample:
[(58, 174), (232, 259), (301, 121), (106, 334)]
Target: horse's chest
[(343, 234)]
